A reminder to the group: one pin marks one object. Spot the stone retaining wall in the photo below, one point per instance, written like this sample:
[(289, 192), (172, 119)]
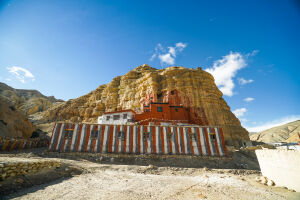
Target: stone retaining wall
[(13, 169)]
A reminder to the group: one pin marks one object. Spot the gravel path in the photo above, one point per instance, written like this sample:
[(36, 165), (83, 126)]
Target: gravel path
[(137, 182)]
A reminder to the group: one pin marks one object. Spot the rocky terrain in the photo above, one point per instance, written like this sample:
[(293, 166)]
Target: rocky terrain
[(84, 179), (27, 101), (13, 123), (284, 133), (196, 89)]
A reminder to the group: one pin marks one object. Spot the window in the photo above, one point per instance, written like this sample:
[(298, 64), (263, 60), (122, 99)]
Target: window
[(124, 116), (159, 109), (94, 133), (116, 117), (172, 92), (107, 118), (176, 109), (68, 133), (213, 136)]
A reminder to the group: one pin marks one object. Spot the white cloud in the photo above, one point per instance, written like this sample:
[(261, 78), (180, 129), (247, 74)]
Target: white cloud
[(225, 69), (243, 81), (270, 124), (169, 56), (21, 73), (248, 99), (239, 112), (253, 53)]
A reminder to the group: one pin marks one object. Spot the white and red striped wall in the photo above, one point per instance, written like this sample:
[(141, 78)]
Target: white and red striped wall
[(138, 139)]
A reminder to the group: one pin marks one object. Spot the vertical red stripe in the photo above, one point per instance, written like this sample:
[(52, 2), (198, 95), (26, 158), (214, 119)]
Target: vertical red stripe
[(70, 140), (146, 134), (154, 139), (87, 137), (223, 142), (169, 135), (52, 135), (131, 140), (62, 147), (139, 139), (125, 138), (215, 142), (182, 140), (177, 139), (207, 142), (191, 140), (57, 136), (93, 144), (78, 138), (199, 141), (110, 139), (118, 130), (162, 139), (13, 145), (102, 136), (21, 144)]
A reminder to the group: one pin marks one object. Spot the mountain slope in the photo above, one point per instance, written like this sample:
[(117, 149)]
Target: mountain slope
[(26, 101), (278, 133), (195, 87)]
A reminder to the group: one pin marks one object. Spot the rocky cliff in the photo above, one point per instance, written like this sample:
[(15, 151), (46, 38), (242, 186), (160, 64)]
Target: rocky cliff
[(13, 123), (26, 101), (195, 87)]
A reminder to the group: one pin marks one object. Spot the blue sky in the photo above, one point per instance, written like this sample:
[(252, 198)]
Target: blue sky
[(68, 48)]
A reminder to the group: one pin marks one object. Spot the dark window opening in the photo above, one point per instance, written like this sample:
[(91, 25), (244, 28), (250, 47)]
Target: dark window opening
[(94, 133), (172, 92), (107, 118), (124, 116), (213, 136), (159, 109), (176, 109), (116, 117), (68, 133)]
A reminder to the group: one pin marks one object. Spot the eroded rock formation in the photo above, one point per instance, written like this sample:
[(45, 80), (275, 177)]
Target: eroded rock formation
[(26, 101), (13, 123), (195, 87)]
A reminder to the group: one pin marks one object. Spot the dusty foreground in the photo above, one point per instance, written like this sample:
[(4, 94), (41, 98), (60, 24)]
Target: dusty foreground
[(102, 181)]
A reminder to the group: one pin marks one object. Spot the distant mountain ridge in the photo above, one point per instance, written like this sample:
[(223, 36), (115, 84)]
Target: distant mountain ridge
[(27, 101), (284, 133)]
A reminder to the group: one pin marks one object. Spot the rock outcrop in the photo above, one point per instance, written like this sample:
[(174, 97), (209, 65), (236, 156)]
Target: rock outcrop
[(284, 133), (13, 123), (195, 87), (26, 101)]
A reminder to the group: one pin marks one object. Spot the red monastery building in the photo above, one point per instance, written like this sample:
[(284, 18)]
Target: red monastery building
[(157, 109)]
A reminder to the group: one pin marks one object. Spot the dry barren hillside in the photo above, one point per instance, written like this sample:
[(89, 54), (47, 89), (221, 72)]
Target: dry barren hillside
[(284, 133), (26, 101)]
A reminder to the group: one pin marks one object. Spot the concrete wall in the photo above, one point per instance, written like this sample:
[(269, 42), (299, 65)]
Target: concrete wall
[(138, 139), (281, 166)]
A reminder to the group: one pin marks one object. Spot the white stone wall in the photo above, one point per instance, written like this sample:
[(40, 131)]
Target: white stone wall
[(281, 166), (103, 119)]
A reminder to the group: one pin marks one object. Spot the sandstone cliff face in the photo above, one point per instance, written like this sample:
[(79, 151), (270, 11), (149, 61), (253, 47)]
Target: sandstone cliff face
[(26, 101), (195, 87), (13, 123)]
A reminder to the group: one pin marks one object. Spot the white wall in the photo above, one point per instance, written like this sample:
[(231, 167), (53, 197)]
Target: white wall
[(102, 119), (281, 166)]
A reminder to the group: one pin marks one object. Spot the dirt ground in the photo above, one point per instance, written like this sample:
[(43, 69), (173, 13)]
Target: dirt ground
[(103, 181)]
